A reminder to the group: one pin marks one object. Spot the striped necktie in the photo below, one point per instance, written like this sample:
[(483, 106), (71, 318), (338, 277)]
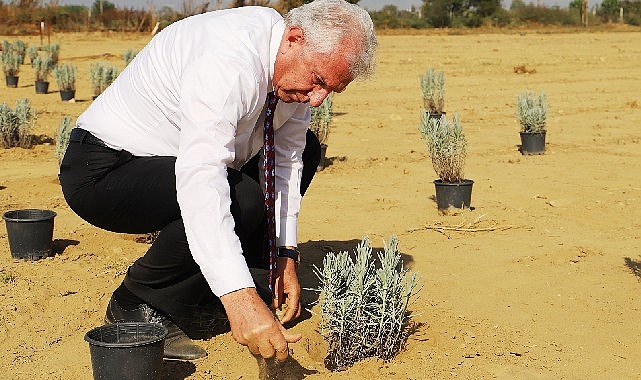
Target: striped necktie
[(269, 157)]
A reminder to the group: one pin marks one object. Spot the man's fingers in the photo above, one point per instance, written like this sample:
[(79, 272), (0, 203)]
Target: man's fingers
[(253, 349), (277, 301), (282, 350), (291, 313), (291, 337), (267, 350)]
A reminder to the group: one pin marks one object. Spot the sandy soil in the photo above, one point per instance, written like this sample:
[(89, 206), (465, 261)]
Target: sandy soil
[(539, 280)]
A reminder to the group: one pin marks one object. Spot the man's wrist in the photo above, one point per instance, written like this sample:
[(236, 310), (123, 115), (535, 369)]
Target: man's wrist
[(290, 252)]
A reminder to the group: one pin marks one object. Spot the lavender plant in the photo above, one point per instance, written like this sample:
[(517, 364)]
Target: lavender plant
[(65, 75), (32, 53), (446, 145), (321, 119), (42, 66), (128, 56), (53, 51), (101, 75), (16, 125), (433, 88), (62, 137), (21, 50), (532, 112), (364, 304), (10, 60)]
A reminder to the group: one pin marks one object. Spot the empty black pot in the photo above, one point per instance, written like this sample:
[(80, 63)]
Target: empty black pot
[(127, 351), (30, 233)]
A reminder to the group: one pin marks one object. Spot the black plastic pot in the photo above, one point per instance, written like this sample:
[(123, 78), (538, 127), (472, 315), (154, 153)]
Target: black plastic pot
[(11, 81), (42, 87), (127, 351), (66, 95), (30, 233), (532, 143), (457, 195)]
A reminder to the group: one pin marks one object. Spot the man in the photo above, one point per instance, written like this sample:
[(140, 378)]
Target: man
[(173, 145)]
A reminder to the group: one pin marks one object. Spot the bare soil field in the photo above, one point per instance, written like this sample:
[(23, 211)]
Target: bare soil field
[(538, 280)]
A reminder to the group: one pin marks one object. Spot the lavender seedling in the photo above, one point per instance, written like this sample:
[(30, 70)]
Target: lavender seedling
[(16, 125), (62, 137), (433, 88), (364, 304), (446, 145), (532, 112)]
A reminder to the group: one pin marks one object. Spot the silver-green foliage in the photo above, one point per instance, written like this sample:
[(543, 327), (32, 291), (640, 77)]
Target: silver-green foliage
[(101, 75), (65, 74), (62, 137), (532, 112), (322, 119), (10, 59), (32, 53), (16, 125), (446, 145), (364, 304), (42, 65), (53, 51), (21, 50), (128, 56), (433, 88)]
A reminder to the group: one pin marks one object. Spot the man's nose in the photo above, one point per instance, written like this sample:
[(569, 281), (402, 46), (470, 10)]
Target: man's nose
[(317, 96)]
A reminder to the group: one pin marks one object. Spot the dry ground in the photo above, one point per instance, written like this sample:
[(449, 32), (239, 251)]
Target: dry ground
[(539, 280)]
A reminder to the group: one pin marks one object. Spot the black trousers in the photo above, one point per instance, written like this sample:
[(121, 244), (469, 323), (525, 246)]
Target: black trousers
[(119, 192)]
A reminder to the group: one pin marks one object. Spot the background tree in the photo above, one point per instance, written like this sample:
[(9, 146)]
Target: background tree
[(609, 10), (447, 13), (390, 17)]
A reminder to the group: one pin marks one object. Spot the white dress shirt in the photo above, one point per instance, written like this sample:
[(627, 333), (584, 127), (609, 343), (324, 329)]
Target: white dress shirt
[(197, 92)]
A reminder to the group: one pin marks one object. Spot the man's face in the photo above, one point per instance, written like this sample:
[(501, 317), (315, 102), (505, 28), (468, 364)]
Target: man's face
[(300, 76)]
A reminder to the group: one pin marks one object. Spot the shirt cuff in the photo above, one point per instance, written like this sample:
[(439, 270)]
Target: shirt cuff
[(229, 275), (288, 233)]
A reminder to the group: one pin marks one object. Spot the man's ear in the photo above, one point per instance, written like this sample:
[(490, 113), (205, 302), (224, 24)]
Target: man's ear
[(294, 35)]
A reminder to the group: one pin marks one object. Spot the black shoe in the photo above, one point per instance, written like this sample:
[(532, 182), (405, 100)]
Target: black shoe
[(177, 343)]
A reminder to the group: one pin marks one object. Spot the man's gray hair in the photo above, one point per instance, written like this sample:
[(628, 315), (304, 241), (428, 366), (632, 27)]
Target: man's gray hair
[(330, 24)]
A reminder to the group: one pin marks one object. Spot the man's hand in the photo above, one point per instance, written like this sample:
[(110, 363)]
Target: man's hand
[(287, 289), (253, 325)]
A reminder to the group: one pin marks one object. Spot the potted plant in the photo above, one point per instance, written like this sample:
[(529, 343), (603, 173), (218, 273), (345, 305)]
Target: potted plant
[(10, 64), (320, 124), (532, 115), (128, 56), (32, 53), (62, 137), (65, 75), (447, 148), (42, 66), (53, 51), (16, 124), (21, 50), (433, 88), (101, 75)]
